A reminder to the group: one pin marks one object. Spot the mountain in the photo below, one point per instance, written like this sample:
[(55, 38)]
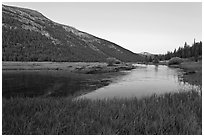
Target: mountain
[(146, 54), (27, 35)]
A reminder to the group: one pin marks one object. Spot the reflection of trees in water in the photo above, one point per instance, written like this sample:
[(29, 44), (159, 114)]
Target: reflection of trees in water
[(156, 68)]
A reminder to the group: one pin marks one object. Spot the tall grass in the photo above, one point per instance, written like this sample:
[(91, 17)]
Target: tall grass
[(179, 113)]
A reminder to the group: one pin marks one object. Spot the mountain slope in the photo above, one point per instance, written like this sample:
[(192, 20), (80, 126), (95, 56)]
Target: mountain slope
[(27, 35)]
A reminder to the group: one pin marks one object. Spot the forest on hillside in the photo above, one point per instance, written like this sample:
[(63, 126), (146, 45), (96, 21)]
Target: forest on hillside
[(29, 36), (25, 45)]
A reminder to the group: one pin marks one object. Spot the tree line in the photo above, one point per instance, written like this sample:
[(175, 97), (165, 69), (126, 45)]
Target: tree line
[(194, 52)]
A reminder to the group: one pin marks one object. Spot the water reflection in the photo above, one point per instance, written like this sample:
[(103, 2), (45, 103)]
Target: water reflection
[(143, 81), (42, 83)]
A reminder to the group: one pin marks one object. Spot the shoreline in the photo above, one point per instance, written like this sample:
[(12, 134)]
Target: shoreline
[(103, 73), (11, 65), (91, 78), (192, 71), (75, 67)]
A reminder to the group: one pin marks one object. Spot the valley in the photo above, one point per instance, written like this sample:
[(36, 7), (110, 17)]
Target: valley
[(58, 80)]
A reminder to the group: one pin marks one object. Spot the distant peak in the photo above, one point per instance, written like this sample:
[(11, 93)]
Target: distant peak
[(145, 53)]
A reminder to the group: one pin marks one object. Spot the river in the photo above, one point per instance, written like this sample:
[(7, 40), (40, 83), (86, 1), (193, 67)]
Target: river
[(143, 81)]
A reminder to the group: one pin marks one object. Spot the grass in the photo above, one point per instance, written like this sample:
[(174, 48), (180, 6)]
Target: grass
[(179, 113), (68, 66), (195, 67)]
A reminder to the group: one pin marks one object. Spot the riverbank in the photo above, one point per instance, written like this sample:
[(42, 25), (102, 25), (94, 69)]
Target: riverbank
[(88, 76), (170, 114), (76, 67), (193, 72)]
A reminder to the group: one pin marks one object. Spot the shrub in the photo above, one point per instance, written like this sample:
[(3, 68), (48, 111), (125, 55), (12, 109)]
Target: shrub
[(175, 61), (112, 61)]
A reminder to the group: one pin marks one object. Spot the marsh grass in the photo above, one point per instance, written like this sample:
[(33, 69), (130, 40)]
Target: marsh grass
[(179, 113), (194, 78)]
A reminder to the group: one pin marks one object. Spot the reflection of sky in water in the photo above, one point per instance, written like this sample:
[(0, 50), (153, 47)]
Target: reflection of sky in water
[(143, 81)]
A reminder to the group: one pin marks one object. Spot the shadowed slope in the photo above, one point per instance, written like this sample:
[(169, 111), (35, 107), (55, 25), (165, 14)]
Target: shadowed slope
[(29, 36)]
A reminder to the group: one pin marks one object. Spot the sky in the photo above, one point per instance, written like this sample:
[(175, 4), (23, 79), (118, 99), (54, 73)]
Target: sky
[(153, 27)]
